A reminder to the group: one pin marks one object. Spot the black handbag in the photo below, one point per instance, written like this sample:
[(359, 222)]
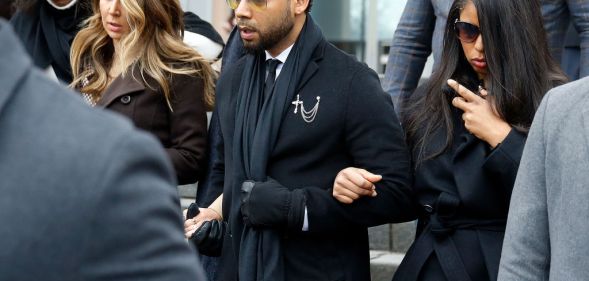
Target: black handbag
[(208, 238)]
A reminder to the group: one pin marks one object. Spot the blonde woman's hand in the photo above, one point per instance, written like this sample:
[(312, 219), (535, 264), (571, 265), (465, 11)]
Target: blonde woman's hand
[(191, 225), (352, 183), (480, 117)]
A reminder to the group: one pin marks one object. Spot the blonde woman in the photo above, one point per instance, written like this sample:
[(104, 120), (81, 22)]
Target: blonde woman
[(130, 58)]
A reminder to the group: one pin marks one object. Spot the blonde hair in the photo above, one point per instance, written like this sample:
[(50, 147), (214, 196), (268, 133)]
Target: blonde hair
[(154, 45)]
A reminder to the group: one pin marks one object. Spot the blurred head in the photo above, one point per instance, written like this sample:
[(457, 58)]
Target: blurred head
[(270, 25), (6, 8), (149, 34), (514, 65)]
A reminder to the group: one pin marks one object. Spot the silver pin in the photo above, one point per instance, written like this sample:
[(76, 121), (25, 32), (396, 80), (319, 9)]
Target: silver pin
[(296, 104), (308, 115)]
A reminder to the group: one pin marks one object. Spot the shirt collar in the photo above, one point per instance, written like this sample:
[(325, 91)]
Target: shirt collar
[(69, 5), (282, 56)]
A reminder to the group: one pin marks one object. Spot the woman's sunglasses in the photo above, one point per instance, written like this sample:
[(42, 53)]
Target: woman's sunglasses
[(466, 32)]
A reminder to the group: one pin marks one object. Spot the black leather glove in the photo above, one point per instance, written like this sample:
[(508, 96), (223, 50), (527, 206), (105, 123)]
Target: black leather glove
[(192, 211), (269, 204), (208, 237)]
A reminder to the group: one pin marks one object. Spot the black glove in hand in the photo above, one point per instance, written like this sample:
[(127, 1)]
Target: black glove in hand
[(269, 204), (208, 238), (193, 211)]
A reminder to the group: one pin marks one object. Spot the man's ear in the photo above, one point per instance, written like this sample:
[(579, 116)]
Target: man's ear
[(300, 6)]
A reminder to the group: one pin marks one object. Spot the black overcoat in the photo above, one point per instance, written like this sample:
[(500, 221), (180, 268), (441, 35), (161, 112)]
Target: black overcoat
[(463, 197), (355, 126)]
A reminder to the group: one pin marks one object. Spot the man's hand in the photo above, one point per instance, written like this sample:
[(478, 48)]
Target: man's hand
[(352, 183), (270, 204)]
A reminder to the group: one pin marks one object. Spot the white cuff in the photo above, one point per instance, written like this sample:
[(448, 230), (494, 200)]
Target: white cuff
[(69, 5), (306, 221)]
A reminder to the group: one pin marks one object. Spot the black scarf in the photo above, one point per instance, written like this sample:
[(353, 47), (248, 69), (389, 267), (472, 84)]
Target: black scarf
[(256, 129), (47, 34)]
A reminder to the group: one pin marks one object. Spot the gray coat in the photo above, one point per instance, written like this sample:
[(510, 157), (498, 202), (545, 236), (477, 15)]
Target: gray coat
[(547, 229), (83, 195)]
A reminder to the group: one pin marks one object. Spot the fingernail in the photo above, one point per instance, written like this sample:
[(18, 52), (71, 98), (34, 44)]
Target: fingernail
[(451, 81)]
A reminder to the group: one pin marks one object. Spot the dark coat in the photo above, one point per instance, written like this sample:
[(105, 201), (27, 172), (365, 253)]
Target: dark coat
[(182, 130), (355, 126), (464, 197)]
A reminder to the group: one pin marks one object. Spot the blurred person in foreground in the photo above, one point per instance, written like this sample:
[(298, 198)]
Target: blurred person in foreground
[(84, 196), (546, 236)]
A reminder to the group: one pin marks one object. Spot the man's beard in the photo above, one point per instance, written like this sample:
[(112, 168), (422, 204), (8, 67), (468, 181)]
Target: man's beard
[(270, 38)]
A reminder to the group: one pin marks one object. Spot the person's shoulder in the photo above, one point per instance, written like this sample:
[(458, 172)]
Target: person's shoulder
[(569, 96), (344, 64)]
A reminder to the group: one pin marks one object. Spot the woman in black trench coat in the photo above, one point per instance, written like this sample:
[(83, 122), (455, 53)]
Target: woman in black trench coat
[(466, 128)]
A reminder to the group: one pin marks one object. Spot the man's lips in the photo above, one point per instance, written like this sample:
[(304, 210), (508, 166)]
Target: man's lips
[(247, 33)]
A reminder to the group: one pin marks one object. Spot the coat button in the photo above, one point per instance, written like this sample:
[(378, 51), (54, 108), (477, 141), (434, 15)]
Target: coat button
[(428, 208), (126, 99)]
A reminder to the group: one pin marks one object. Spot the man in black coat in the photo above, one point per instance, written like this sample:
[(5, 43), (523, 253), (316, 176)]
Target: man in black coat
[(293, 113)]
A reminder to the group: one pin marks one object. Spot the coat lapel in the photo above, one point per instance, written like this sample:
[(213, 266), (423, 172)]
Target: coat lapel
[(121, 86), (312, 67), (466, 141), (470, 153)]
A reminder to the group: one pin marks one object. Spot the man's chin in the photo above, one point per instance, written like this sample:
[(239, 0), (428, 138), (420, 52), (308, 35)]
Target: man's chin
[(252, 47)]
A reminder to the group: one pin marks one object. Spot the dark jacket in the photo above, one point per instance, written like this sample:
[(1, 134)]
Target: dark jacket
[(355, 126), (463, 195), (181, 130)]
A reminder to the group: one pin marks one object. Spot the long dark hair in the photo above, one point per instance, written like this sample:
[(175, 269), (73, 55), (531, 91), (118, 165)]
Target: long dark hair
[(520, 72)]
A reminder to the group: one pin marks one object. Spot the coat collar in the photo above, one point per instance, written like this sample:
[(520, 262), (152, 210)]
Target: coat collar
[(121, 86), (14, 63), (310, 70)]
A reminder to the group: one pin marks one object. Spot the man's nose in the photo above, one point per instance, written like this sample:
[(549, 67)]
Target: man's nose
[(243, 10)]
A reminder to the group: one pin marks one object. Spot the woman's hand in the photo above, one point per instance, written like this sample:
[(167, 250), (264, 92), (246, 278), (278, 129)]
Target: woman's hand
[(352, 183), (480, 117), (191, 225)]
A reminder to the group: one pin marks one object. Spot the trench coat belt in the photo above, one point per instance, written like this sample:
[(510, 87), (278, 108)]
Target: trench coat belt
[(436, 237)]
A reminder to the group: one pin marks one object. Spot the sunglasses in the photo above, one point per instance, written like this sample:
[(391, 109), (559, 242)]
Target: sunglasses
[(466, 32), (258, 4)]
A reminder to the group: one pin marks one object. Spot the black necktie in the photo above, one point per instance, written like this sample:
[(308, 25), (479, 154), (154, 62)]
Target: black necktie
[(269, 85)]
